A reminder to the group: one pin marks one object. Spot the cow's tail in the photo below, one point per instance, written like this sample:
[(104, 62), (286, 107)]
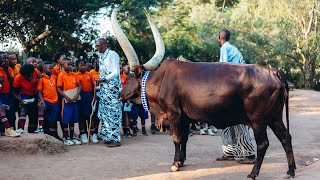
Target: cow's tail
[(286, 96), (287, 103)]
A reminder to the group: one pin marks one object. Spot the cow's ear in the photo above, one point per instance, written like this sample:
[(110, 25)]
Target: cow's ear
[(138, 71)]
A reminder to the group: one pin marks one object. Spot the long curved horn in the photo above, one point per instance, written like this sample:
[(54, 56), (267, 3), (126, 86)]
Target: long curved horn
[(160, 49), (124, 42)]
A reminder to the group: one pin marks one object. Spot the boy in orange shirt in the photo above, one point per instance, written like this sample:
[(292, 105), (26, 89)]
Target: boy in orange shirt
[(47, 92), (85, 109), (67, 81), (25, 91), (59, 67), (13, 63), (6, 81)]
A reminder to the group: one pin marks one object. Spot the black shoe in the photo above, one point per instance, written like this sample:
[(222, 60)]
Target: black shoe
[(127, 135), (153, 129), (114, 144), (107, 142), (144, 132), (134, 133)]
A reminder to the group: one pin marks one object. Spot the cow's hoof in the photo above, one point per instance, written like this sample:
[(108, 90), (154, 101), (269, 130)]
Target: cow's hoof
[(288, 176), (174, 168), (250, 178)]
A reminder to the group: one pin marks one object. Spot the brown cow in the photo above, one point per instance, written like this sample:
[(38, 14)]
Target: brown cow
[(223, 94)]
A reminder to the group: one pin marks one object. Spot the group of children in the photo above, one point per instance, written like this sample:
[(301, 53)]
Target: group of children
[(49, 93)]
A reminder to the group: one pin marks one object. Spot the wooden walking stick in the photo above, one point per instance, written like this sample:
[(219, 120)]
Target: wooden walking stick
[(93, 107)]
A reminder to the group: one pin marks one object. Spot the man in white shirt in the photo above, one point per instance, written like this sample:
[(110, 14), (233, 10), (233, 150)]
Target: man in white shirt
[(109, 111), (237, 141)]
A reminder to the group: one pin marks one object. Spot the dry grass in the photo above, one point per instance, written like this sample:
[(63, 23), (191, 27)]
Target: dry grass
[(32, 144)]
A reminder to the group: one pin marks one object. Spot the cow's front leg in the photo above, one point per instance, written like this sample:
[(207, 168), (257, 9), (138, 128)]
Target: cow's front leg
[(176, 135)]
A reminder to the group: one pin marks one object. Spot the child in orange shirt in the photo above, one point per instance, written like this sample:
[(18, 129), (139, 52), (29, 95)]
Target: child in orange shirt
[(25, 91), (67, 81), (47, 92), (6, 81), (58, 58), (34, 61), (96, 75), (85, 109), (13, 63)]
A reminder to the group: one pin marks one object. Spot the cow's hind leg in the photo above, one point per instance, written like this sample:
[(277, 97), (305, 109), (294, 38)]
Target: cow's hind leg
[(260, 135), (185, 124), (284, 137)]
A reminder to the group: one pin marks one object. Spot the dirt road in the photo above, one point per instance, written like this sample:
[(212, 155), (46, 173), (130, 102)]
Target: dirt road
[(150, 157)]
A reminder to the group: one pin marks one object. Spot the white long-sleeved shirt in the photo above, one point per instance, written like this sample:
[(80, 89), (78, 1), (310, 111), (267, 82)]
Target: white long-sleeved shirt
[(109, 60)]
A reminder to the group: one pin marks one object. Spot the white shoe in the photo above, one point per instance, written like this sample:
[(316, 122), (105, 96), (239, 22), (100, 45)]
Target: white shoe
[(210, 132), (214, 129), (84, 138), (11, 133), (20, 131), (94, 138), (68, 142), (203, 132), (76, 141), (39, 130)]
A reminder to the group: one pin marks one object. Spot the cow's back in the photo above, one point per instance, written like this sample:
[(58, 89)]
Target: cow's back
[(212, 91)]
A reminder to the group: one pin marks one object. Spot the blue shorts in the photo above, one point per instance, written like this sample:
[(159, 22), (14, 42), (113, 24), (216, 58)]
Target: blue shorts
[(138, 110), (69, 112), (85, 104), (50, 111), (7, 99)]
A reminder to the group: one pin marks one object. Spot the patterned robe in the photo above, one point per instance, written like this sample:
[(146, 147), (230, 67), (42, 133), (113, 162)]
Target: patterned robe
[(109, 105)]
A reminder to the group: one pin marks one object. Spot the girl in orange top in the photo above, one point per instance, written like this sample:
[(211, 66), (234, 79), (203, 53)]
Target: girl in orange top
[(25, 90)]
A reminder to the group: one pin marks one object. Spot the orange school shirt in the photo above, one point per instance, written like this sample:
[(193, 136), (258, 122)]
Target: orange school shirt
[(86, 81), (48, 86), (36, 72), (123, 78), (67, 81), (26, 87), (56, 70), (16, 70), (6, 84), (95, 74)]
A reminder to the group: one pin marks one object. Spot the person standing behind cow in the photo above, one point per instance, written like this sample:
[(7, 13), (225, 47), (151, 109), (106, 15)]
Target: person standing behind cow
[(110, 86), (237, 141), (125, 70)]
